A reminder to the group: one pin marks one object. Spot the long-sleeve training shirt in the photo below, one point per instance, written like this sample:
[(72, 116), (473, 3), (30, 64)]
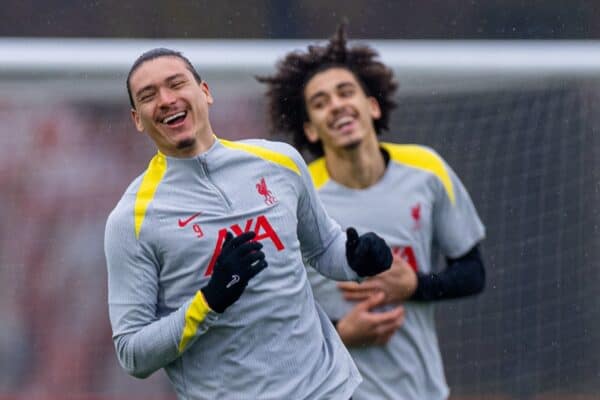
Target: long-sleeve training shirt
[(161, 243), (423, 211)]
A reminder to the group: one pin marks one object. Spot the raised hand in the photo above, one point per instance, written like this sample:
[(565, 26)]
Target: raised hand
[(367, 254)]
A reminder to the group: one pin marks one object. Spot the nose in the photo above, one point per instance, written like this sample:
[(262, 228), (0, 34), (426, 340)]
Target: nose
[(336, 102), (166, 96)]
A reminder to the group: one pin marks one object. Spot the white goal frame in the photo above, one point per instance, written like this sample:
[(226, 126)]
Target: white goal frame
[(96, 68)]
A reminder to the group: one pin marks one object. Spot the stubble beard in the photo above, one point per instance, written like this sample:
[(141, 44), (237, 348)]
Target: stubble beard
[(186, 143), (353, 145)]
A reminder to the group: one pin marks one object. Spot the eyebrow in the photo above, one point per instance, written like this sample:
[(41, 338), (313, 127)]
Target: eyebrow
[(174, 77), (152, 86), (339, 86)]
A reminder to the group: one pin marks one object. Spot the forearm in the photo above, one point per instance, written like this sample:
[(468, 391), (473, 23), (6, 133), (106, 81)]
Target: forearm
[(149, 348), (145, 346), (332, 262), (463, 276)]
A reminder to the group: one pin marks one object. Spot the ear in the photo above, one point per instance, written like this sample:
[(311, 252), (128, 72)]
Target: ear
[(136, 120), (310, 132), (204, 87), (374, 109)]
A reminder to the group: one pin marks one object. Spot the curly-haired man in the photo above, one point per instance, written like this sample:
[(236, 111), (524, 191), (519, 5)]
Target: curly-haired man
[(334, 100)]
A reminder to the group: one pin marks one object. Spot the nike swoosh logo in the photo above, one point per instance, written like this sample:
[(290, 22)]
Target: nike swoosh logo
[(234, 279), (187, 221)]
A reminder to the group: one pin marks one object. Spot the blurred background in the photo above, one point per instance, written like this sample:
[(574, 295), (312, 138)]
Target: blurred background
[(507, 91)]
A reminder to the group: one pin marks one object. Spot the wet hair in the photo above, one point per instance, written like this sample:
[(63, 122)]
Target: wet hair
[(157, 53), (285, 89)]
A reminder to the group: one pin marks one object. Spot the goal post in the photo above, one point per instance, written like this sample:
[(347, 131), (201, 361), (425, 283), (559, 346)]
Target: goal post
[(421, 65), (519, 121)]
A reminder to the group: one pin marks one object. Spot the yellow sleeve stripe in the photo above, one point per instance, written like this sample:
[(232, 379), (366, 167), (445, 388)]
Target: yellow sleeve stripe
[(263, 153), (194, 315), (154, 174), (318, 172), (418, 157)]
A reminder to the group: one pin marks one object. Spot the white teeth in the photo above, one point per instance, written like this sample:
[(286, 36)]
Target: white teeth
[(342, 121), (172, 117)]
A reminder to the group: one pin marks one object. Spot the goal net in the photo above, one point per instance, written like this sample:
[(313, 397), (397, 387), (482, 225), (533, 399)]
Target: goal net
[(518, 121), (530, 159)]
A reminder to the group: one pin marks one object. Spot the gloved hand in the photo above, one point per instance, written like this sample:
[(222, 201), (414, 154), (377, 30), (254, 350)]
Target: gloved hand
[(368, 254), (240, 260)]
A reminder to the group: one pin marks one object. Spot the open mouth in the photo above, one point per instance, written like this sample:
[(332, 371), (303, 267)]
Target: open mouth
[(342, 122), (175, 118)]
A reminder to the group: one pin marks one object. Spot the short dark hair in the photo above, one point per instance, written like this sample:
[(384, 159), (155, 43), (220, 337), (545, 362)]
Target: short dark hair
[(156, 53), (285, 89)]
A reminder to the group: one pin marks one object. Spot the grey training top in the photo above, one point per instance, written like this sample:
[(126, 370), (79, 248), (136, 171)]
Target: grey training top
[(423, 211), (161, 242)]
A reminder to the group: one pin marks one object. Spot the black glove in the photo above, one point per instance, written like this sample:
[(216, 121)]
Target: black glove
[(240, 260), (368, 254)]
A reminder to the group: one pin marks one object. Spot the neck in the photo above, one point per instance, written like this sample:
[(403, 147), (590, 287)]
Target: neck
[(201, 145), (198, 145), (358, 167)]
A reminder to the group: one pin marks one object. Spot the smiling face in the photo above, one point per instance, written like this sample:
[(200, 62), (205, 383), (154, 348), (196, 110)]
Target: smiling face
[(171, 106), (340, 114)]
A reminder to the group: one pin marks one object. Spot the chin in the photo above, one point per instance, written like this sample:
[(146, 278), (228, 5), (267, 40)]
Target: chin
[(352, 144), (186, 143)]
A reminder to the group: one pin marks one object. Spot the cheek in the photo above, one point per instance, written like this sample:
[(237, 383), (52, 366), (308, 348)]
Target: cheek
[(200, 108), (145, 112), (321, 129), (319, 119), (146, 122)]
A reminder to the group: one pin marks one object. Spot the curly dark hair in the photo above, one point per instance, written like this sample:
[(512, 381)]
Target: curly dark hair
[(285, 89)]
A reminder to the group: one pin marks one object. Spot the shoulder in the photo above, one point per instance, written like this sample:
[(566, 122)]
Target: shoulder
[(423, 159), (122, 213), (416, 156), (132, 208), (278, 153), (318, 172), (413, 154)]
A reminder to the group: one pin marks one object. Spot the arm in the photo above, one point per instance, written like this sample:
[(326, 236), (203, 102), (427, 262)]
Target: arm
[(331, 261), (464, 276), (326, 248), (143, 341), (457, 230), (322, 242)]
